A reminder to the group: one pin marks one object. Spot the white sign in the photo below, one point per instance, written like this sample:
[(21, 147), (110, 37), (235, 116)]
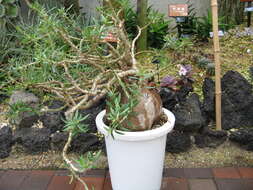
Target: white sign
[(220, 33), (249, 9)]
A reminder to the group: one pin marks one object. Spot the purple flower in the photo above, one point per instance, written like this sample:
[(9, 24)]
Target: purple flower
[(169, 81), (185, 70)]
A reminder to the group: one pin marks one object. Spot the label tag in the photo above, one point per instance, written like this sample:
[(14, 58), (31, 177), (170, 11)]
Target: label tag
[(248, 9), (110, 37), (180, 19), (178, 10), (220, 34)]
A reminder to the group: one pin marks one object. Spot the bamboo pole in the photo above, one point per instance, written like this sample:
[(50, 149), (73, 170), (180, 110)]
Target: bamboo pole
[(214, 6)]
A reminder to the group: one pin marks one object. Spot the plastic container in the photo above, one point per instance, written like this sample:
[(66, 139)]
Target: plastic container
[(136, 159)]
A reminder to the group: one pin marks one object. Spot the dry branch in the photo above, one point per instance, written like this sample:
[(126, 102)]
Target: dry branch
[(80, 91)]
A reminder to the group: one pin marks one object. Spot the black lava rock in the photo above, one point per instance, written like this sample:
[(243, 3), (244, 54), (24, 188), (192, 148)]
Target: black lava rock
[(247, 116), (237, 101), (93, 112), (230, 120), (34, 140), (53, 120), (5, 141), (27, 118), (208, 89), (58, 140), (188, 115), (169, 98), (238, 91), (243, 137), (85, 142), (178, 142), (251, 72), (210, 138), (81, 143), (184, 91)]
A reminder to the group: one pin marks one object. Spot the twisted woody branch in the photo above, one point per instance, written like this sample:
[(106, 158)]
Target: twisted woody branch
[(100, 85), (81, 90)]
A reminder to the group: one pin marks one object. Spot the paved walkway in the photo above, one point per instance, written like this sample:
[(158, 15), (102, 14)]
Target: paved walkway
[(174, 179)]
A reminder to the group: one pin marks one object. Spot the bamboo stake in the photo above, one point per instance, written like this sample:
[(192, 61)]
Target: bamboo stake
[(214, 6)]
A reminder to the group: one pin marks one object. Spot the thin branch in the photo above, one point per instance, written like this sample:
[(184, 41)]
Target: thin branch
[(133, 48), (67, 39), (72, 167), (76, 107)]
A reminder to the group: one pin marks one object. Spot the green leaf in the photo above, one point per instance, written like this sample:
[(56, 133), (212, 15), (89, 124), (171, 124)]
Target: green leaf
[(8, 1), (2, 11), (74, 124), (11, 11), (19, 107)]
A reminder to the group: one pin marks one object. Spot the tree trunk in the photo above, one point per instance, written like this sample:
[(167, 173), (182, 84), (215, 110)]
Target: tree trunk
[(142, 6)]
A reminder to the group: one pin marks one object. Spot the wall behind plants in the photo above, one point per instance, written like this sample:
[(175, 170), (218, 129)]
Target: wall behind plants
[(201, 6), (89, 7)]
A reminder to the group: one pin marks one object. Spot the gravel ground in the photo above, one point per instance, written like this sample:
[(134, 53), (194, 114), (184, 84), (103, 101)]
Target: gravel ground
[(227, 155)]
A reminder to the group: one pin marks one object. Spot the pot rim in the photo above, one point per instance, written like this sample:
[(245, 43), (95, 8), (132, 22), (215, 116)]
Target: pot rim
[(139, 135)]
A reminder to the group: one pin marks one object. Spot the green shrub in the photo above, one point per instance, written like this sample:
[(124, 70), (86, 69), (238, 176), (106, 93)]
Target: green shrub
[(232, 11), (42, 44), (176, 44), (8, 11), (190, 24), (201, 26), (204, 25), (157, 28)]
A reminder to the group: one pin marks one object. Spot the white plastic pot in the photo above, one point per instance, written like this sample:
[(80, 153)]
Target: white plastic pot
[(136, 159)]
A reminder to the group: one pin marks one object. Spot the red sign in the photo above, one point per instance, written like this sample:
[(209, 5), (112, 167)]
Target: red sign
[(178, 10), (246, 0)]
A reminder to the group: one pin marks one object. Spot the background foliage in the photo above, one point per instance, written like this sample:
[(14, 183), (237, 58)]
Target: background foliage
[(232, 11)]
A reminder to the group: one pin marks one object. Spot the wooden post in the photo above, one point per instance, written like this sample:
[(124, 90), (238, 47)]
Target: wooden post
[(214, 6), (142, 6)]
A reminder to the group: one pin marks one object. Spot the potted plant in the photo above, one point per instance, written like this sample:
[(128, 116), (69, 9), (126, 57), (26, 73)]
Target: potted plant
[(135, 145), (136, 159), (73, 63)]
